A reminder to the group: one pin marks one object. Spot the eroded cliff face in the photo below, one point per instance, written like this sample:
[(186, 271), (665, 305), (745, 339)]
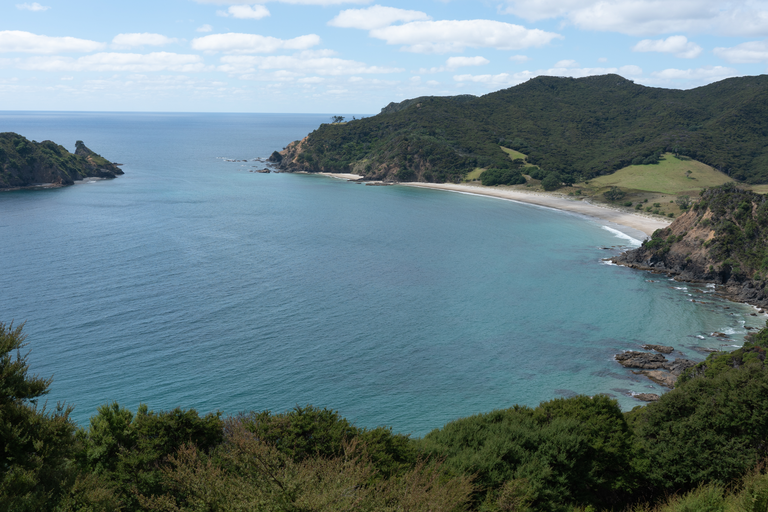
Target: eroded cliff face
[(722, 239), (25, 163)]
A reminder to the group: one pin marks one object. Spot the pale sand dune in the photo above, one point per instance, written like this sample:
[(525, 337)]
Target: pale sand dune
[(646, 224)]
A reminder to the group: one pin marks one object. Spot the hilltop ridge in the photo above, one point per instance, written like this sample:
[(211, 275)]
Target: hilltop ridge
[(580, 128)]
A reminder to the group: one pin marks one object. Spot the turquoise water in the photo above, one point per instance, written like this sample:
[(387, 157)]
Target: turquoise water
[(191, 281)]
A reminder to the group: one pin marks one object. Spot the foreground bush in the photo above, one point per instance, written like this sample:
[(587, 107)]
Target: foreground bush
[(564, 452), (697, 448)]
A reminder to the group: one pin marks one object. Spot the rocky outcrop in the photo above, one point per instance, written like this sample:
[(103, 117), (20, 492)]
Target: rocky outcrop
[(659, 348), (644, 360), (722, 239), (655, 366), (647, 397), (27, 164)]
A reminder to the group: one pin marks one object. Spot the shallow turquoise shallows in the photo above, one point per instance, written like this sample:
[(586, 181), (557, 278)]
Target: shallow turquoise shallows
[(191, 281)]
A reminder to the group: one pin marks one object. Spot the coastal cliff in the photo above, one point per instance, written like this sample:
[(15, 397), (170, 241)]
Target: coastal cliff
[(721, 239), (25, 163)]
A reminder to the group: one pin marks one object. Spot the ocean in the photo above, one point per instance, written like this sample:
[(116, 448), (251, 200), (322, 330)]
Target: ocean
[(192, 281)]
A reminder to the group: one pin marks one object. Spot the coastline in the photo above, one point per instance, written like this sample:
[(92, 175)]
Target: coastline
[(645, 224)]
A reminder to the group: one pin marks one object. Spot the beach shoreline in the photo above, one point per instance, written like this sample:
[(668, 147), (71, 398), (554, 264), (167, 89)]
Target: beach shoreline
[(638, 222)]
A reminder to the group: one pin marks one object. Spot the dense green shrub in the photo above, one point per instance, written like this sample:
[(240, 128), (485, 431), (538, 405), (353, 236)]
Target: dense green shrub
[(552, 181), (711, 428), (36, 445), (565, 451), (493, 177)]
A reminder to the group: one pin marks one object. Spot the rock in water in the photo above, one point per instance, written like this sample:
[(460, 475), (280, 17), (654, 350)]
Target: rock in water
[(659, 348), (643, 360)]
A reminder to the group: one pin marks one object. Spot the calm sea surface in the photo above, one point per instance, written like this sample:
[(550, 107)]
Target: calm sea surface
[(192, 282)]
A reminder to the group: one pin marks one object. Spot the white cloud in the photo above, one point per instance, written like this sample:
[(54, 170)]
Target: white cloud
[(566, 64), (639, 17), (704, 74), (679, 45), (519, 58), (311, 80), (562, 68), (376, 16), (453, 63), (34, 6), (302, 63), (19, 41), (455, 35), (204, 28), (140, 39), (458, 62), (753, 51), (252, 43), (245, 12), (120, 62), (500, 79), (294, 2)]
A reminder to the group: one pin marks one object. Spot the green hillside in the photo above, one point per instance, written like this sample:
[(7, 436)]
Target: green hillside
[(583, 128)]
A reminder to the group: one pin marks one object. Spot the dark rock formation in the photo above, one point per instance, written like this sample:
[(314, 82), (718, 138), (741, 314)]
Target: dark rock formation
[(660, 377), (643, 360), (275, 157), (26, 164), (655, 366), (647, 397), (659, 348)]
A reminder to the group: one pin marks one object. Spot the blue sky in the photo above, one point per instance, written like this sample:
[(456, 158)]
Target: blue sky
[(336, 56)]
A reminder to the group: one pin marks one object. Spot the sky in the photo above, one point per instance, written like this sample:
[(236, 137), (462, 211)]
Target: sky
[(355, 56)]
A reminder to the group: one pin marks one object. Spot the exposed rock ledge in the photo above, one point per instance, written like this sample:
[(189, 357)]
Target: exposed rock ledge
[(655, 366)]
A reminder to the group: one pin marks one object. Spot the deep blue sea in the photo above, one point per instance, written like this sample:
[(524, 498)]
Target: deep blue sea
[(191, 281)]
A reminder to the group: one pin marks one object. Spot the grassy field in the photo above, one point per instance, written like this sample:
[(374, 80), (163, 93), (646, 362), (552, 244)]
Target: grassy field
[(670, 176), (514, 155), (474, 175)]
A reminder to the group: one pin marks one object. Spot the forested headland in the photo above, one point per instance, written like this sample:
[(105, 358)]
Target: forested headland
[(26, 163), (577, 129)]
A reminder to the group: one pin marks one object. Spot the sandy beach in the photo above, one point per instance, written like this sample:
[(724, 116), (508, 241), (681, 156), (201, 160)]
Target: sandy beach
[(644, 223), (640, 222)]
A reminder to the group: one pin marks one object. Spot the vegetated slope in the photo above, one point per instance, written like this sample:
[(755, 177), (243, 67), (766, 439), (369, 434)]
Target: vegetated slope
[(564, 455), (722, 239), (582, 127), (24, 163)]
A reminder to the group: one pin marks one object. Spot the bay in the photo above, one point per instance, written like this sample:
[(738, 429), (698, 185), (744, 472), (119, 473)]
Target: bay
[(191, 281)]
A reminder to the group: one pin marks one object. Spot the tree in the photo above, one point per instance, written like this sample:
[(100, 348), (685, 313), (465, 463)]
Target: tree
[(684, 202), (614, 194), (337, 119), (36, 446), (551, 181)]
